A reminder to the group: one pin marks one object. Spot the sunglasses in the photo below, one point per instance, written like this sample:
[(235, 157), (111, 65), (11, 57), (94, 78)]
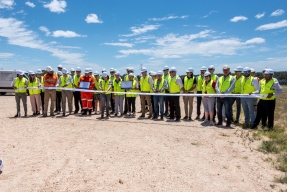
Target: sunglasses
[(172, 72), (210, 69)]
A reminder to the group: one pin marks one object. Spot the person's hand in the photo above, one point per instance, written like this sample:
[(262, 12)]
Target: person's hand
[(14, 87), (250, 93), (269, 95)]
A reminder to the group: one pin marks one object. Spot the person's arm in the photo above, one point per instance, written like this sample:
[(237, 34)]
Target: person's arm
[(231, 87), (59, 82), (150, 81), (258, 90), (193, 86), (179, 82), (70, 81), (255, 84), (26, 83), (164, 86), (276, 86), (217, 88), (13, 82)]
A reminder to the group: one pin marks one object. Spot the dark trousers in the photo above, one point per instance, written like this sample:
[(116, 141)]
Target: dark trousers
[(126, 105), (77, 100), (238, 107), (166, 103), (131, 104), (58, 100), (174, 107), (226, 103), (198, 102), (112, 104), (265, 108), (42, 100)]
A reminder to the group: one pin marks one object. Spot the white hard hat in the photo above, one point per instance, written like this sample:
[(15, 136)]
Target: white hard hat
[(112, 70), (144, 69), (64, 71), (59, 73), (172, 69), (206, 73), (190, 70), (104, 70), (49, 69), (31, 73), (131, 75), (239, 68), (165, 68), (18, 71), (211, 67), (225, 67), (269, 72), (72, 69), (21, 73), (104, 74), (252, 70), (96, 73), (128, 68), (131, 69), (39, 71), (160, 73), (203, 68), (117, 73), (78, 69), (60, 66), (246, 69), (152, 73), (1, 164), (87, 70)]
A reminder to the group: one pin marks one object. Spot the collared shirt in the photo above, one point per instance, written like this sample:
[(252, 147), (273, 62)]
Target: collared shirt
[(157, 86), (231, 87), (70, 80), (178, 81), (276, 86)]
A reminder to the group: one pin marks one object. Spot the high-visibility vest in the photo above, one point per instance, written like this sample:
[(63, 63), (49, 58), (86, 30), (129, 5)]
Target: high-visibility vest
[(64, 81), (200, 80), (223, 85), (265, 88), (20, 84), (34, 84), (134, 84), (208, 88), (126, 78), (76, 79), (188, 83), (238, 82), (247, 87), (42, 83), (160, 85), (167, 77), (105, 86), (97, 84), (214, 77), (118, 87), (173, 87), (145, 86)]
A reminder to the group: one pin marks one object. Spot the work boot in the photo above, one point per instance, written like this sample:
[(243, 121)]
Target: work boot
[(90, 112), (84, 112), (64, 114), (185, 118), (189, 118), (17, 115), (25, 114), (197, 117)]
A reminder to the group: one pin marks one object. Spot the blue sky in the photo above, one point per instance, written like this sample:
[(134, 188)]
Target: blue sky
[(112, 33)]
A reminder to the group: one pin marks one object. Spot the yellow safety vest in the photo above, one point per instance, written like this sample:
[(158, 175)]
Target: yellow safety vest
[(145, 86), (76, 80), (188, 83), (224, 84), (118, 87), (173, 87), (20, 84), (134, 84), (64, 81), (97, 83), (105, 86), (208, 88), (200, 80), (214, 77), (238, 82), (265, 88), (247, 87), (160, 85), (34, 84)]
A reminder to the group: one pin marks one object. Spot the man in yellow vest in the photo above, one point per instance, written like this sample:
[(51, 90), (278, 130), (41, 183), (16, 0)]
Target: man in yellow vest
[(77, 94), (131, 98), (199, 81), (97, 95), (105, 86), (224, 85), (266, 105), (34, 92), (160, 85), (166, 77), (127, 78), (66, 81), (72, 70), (175, 86), (237, 90), (189, 84), (20, 85), (58, 95), (146, 85), (112, 78), (211, 70), (41, 80), (248, 86), (118, 97)]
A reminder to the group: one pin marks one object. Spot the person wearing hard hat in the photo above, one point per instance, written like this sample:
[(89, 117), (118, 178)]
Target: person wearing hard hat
[(41, 80), (253, 74), (91, 72), (131, 98), (97, 95), (146, 85), (266, 105), (112, 78), (50, 81), (106, 88), (34, 92), (208, 87), (189, 84), (58, 95), (211, 70), (199, 81), (72, 70), (20, 84), (119, 95), (224, 85), (77, 94), (175, 85), (153, 75), (66, 81), (248, 86), (166, 77), (60, 67), (126, 78), (237, 90), (86, 82), (159, 87)]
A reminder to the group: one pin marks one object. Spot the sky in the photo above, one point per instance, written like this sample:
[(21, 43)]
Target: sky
[(132, 33)]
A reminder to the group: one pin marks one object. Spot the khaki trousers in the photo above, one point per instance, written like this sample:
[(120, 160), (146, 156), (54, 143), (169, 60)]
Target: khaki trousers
[(36, 103), (67, 96), (188, 103), (148, 99), (49, 94)]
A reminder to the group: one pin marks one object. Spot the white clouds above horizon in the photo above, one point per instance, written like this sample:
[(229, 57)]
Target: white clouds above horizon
[(278, 12), (93, 18), (260, 15), (168, 18), (269, 26), (140, 30), (30, 4), (238, 18), (57, 6), (120, 44), (45, 29), (6, 55), (205, 16), (60, 33), (7, 4)]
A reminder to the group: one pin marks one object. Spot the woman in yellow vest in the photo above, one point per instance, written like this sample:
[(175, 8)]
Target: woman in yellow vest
[(97, 95), (159, 86), (118, 97), (131, 98), (20, 84), (237, 90), (199, 81), (41, 80), (106, 87), (208, 87), (34, 91)]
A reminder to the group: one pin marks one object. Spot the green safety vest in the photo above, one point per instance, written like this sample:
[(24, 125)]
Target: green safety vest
[(34, 84), (118, 87), (97, 83), (188, 83), (247, 87), (64, 81), (134, 83), (238, 82), (265, 88), (166, 77), (160, 85), (76, 80), (214, 77), (208, 88), (224, 84), (145, 86), (19, 84), (200, 80), (173, 87), (128, 79), (105, 86)]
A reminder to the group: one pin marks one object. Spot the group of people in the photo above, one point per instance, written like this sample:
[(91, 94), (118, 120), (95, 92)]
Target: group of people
[(159, 93)]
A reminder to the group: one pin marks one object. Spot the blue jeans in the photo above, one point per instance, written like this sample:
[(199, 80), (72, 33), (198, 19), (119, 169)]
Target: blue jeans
[(158, 99), (248, 108), (226, 102)]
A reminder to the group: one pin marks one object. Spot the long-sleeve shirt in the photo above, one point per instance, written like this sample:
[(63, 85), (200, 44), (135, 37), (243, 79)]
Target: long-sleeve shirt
[(231, 87), (50, 80), (254, 83), (69, 81), (276, 86)]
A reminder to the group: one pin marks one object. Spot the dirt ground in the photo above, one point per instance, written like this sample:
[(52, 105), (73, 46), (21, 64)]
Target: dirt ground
[(127, 154)]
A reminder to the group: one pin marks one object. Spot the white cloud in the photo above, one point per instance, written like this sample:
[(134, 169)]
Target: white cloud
[(278, 12), (141, 30), (272, 26), (201, 26), (45, 29), (238, 18), (67, 34), (57, 6), (93, 18), (6, 55), (205, 16), (168, 18), (260, 15), (7, 4), (144, 39), (122, 40), (120, 44), (256, 40), (30, 4)]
